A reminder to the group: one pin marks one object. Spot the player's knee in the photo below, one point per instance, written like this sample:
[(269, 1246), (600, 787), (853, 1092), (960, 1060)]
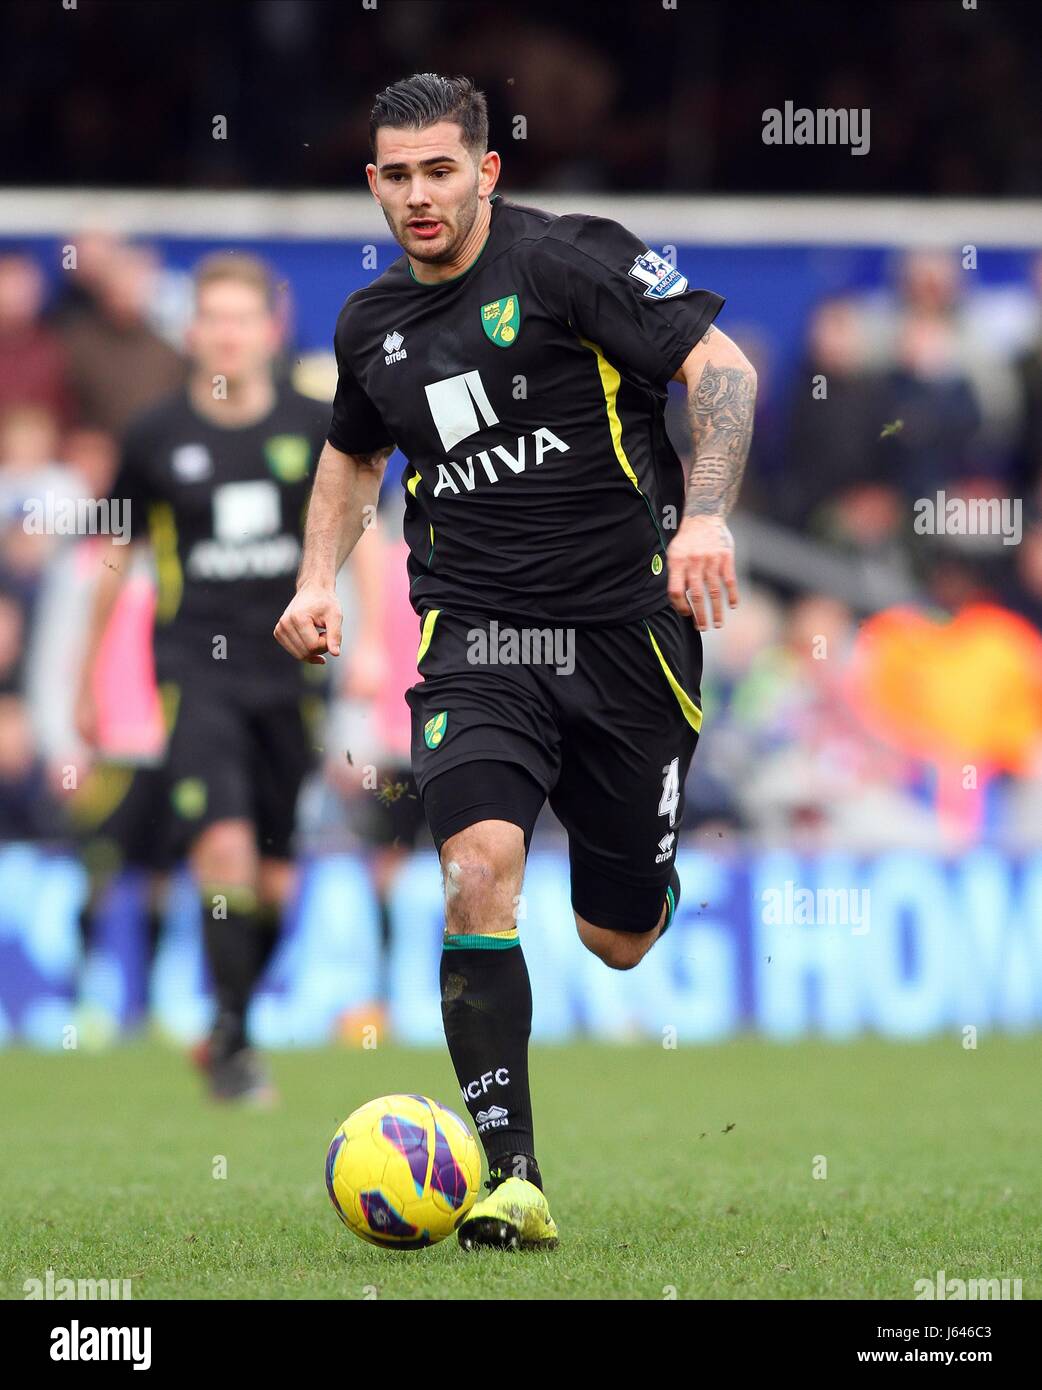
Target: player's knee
[(619, 950), (482, 868), (226, 852)]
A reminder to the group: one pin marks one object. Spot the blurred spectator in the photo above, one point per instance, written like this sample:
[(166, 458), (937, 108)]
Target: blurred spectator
[(119, 365), (28, 459), (31, 480), (934, 323), (1027, 482), (930, 407), (80, 286), (26, 809), (954, 581), (786, 744), (1023, 590), (129, 717), (12, 643), (832, 449), (739, 677), (32, 359)]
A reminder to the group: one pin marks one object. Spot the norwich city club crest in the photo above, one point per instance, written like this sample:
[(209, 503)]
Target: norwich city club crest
[(501, 320), (189, 797), (434, 729), (289, 456)]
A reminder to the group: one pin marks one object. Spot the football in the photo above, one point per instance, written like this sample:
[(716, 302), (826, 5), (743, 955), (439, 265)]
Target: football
[(402, 1172)]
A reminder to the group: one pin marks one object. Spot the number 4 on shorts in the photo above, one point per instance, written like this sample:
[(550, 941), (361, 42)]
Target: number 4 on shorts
[(670, 798)]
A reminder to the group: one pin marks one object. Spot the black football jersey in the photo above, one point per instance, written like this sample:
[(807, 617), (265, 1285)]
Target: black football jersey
[(528, 396), (224, 511)]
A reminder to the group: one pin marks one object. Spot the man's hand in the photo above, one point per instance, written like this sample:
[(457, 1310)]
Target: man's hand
[(701, 557), (312, 625)]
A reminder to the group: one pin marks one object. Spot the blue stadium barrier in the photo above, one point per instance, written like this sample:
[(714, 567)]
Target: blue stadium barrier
[(903, 944)]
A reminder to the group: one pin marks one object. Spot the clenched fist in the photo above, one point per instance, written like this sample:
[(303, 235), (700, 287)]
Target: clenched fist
[(312, 625), (701, 557)]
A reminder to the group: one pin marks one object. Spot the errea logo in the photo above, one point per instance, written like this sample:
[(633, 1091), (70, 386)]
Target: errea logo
[(393, 348), (495, 1117), (665, 847)]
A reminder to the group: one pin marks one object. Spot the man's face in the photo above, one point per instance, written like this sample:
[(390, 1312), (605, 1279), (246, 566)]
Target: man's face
[(233, 334), (21, 291), (428, 186)]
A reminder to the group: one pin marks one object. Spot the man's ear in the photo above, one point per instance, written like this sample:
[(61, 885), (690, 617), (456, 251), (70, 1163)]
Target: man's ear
[(488, 173)]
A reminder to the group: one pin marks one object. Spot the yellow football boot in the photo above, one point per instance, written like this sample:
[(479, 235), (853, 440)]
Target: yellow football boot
[(514, 1216)]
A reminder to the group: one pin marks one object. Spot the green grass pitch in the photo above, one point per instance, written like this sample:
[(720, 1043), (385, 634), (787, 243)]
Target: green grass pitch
[(682, 1173)]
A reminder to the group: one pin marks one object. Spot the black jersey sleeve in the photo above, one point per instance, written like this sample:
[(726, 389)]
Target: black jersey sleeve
[(357, 426), (613, 291), (131, 489)]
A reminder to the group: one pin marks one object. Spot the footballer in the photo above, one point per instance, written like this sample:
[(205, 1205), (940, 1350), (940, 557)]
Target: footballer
[(520, 361), (216, 478)]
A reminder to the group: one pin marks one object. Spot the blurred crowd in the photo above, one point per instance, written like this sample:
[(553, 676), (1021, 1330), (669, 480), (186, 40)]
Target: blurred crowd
[(925, 390), (919, 387), (646, 96)]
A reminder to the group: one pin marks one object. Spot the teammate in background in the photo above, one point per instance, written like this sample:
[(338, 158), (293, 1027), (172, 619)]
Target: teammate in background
[(216, 478), (520, 361)]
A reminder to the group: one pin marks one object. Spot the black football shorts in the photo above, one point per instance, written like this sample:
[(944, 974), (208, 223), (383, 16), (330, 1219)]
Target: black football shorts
[(120, 819), (238, 751), (603, 721)]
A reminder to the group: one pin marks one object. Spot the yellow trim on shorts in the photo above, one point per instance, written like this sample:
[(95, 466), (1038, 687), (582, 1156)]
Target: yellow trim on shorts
[(170, 700), (104, 789), (692, 713), (429, 619)]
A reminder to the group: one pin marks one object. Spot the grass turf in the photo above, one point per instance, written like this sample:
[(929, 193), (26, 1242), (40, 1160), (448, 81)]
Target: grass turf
[(683, 1173)]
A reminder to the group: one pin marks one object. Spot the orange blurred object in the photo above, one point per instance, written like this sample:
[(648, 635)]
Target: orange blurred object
[(354, 1025), (965, 691)]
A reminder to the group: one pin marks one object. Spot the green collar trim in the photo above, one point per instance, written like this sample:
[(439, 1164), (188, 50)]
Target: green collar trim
[(434, 284)]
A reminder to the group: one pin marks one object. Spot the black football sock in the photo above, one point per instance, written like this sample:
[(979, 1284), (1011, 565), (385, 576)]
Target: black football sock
[(153, 930), (486, 1006), (86, 924), (268, 931), (383, 978), (514, 1166), (233, 951)]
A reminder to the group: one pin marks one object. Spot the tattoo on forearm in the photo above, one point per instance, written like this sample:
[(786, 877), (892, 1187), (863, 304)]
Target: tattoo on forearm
[(721, 409)]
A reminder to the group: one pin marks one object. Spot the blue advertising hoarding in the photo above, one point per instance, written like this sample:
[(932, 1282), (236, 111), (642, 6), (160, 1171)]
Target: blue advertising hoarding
[(902, 944)]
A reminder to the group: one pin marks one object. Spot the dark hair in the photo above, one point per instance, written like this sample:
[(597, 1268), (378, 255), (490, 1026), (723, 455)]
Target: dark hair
[(425, 99)]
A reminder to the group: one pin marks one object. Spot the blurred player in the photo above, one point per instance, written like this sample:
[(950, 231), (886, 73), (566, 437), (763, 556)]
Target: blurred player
[(216, 479), (520, 361)]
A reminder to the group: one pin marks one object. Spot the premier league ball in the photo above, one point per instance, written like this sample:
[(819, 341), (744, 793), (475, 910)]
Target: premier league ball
[(402, 1172)]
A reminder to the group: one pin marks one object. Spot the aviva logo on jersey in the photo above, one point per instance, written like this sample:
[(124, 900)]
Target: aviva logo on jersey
[(501, 320)]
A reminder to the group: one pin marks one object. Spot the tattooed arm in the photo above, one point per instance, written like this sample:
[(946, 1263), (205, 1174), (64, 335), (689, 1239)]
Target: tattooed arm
[(721, 387)]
